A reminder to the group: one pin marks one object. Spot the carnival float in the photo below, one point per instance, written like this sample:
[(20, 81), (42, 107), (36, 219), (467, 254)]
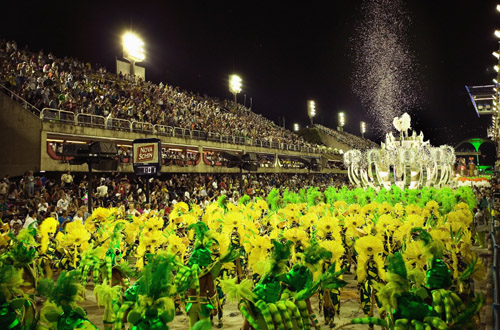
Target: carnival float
[(406, 161)]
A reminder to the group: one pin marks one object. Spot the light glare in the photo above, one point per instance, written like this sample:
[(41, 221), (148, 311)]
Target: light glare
[(235, 84), (311, 108), (133, 47)]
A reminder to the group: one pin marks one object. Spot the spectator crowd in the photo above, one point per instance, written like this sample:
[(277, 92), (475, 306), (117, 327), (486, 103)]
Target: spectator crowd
[(351, 140), (46, 81)]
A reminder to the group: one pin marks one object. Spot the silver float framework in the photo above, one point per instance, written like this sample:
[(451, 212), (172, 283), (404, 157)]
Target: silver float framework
[(406, 162)]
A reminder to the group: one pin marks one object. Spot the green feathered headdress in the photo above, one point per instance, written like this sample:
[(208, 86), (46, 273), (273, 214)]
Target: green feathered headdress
[(11, 278), (66, 291), (222, 202), (24, 250), (244, 200), (235, 292), (157, 277), (202, 255), (279, 257), (290, 197), (313, 196), (314, 253), (272, 199)]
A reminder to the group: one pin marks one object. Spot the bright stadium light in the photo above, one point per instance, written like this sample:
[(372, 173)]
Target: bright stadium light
[(311, 110), (362, 128), (498, 7), (497, 33), (496, 54), (296, 127), (341, 121), (133, 47), (496, 68), (133, 50), (235, 85)]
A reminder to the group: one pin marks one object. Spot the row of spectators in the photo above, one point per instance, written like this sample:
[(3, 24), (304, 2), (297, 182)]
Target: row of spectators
[(70, 84), (65, 197), (351, 140)]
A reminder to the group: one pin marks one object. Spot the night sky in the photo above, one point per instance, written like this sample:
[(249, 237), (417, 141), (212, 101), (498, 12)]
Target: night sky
[(285, 53)]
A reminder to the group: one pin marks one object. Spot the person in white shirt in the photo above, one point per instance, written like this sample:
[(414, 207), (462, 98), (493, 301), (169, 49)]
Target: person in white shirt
[(15, 222), (3, 187), (67, 179), (43, 206), (78, 216), (132, 210), (63, 203), (102, 190), (30, 219), (146, 209)]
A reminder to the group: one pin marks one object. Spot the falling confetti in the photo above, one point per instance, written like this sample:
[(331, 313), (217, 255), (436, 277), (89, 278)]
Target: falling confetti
[(385, 70)]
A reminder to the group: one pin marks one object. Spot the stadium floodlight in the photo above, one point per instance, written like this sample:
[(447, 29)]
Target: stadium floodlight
[(133, 47), (496, 54), (296, 127), (498, 7), (311, 110), (497, 33), (341, 121), (362, 128), (495, 81), (235, 85), (496, 68), (133, 50)]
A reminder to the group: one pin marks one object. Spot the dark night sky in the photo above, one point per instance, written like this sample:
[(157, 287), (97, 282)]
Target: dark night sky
[(285, 53)]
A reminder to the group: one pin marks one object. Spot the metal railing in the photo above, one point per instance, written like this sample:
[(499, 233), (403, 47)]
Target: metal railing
[(85, 119), (25, 104), (119, 124), (58, 116), (81, 119)]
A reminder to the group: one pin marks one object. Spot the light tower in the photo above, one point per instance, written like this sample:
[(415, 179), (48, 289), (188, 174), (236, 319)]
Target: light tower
[(235, 86), (341, 121), (133, 50), (362, 128), (311, 110)]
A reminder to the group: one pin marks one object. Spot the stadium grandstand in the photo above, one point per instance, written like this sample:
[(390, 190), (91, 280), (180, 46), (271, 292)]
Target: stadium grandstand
[(349, 141), (48, 102)]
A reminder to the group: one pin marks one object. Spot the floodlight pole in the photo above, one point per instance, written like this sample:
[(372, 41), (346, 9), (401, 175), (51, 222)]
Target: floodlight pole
[(132, 68)]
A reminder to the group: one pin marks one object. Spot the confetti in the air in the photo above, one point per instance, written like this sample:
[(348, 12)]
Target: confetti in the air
[(385, 71)]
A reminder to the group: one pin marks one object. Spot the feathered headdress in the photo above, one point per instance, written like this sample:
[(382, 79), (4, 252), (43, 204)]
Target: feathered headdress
[(202, 255), (272, 199)]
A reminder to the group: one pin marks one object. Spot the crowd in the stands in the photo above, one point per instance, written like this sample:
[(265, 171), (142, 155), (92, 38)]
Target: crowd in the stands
[(351, 140), (47, 81)]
